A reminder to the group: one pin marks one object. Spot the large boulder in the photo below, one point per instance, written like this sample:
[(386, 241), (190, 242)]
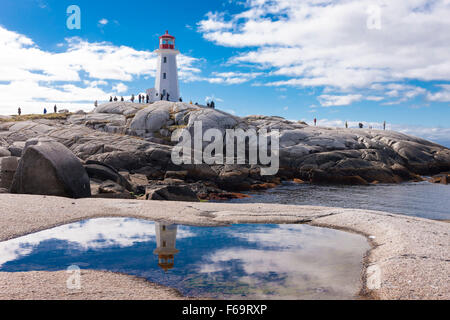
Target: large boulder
[(151, 119), (8, 167), (119, 107), (49, 168), (4, 152)]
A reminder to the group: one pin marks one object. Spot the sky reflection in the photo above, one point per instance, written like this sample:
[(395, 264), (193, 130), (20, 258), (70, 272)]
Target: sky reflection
[(241, 261)]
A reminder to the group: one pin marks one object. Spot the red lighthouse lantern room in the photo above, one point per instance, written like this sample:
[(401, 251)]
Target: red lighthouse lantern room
[(167, 41)]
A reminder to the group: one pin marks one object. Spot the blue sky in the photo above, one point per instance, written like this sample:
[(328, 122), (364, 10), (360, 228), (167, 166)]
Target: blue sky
[(343, 60)]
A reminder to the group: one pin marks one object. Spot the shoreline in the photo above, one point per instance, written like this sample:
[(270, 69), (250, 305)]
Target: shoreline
[(403, 248)]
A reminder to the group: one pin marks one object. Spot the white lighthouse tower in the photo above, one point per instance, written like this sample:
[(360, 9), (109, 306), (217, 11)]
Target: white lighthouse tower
[(166, 236), (166, 83)]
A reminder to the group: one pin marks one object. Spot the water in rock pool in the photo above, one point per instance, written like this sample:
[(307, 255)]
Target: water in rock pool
[(239, 261), (423, 199)]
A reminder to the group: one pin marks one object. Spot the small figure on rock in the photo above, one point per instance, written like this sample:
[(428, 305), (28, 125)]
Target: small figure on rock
[(212, 105), (19, 111), (132, 98), (55, 109), (361, 125), (96, 103), (110, 99), (140, 99), (181, 99), (121, 99), (346, 125), (315, 121), (168, 96), (384, 125), (45, 110), (148, 98), (115, 98)]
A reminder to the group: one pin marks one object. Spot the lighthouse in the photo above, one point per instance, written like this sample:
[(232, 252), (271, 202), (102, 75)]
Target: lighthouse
[(166, 236), (166, 82)]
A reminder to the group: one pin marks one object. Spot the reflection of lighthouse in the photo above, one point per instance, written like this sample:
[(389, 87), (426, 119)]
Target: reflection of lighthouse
[(165, 239)]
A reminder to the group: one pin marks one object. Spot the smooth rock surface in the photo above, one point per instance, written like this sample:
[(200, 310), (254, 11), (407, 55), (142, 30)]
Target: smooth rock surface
[(409, 257)]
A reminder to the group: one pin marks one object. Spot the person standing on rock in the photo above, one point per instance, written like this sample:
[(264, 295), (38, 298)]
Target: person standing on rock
[(122, 99), (110, 99), (55, 109), (346, 125), (361, 125), (19, 111), (132, 98), (315, 122), (115, 98), (384, 125), (212, 105), (96, 103), (140, 98), (45, 110)]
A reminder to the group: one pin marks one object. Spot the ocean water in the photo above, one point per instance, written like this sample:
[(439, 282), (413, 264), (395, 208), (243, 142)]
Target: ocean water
[(236, 262), (421, 199)]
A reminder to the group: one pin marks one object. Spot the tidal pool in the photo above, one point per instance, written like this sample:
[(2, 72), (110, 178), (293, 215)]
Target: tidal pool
[(237, 262)]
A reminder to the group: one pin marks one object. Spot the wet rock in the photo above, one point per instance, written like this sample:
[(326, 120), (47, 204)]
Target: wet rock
[(171, 193), (103, 172), (49, 168), (111, 189), (441, 178), (181, 175)]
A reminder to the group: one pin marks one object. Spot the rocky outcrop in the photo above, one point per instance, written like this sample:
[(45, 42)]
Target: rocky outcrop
[(136, 138), (49, 168)]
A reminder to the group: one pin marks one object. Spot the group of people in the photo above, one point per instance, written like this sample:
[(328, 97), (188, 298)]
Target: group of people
[(360, 125), (115, 99), (55, 109)]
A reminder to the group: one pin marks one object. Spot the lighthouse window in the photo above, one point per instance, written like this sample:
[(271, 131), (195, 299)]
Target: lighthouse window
[(164, 76), (165, 59)]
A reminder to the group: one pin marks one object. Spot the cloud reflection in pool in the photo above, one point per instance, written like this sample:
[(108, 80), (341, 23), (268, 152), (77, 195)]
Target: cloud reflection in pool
[(241, 261)]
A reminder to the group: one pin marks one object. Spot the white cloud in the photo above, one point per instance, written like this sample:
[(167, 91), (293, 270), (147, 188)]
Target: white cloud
[(328, 43), (120, 88), (330, 100), (103, 21), (92, 234), (442, 95), (75, 77), (232, 77)]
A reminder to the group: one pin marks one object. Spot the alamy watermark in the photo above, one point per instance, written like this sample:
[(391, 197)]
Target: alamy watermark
[(241, 147), (374, 17), (74, 17), (74, 280)]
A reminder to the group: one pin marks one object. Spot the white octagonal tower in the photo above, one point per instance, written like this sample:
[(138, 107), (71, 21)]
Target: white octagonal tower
[(166, 83)]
